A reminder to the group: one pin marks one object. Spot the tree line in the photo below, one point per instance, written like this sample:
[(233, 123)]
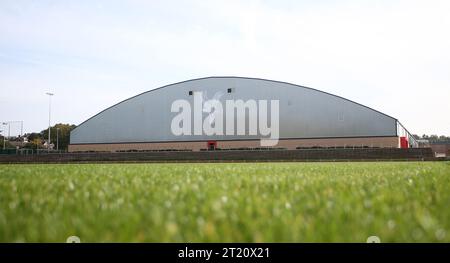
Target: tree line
[(36, 140), (433, 138)]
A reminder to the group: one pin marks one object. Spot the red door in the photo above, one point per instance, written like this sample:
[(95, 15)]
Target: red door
[(211, 145), (404, 142)]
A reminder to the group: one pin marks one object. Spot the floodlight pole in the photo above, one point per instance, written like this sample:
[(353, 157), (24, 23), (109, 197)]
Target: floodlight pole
[(49, 118)]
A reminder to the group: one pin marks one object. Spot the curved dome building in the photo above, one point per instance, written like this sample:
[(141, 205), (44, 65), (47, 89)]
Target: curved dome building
[(306, 118)]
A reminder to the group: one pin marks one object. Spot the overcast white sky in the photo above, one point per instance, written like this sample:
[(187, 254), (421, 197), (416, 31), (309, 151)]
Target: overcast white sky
[(391, 55)]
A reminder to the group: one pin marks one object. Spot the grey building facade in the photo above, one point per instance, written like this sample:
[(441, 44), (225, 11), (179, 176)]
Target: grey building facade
[(307, 118)]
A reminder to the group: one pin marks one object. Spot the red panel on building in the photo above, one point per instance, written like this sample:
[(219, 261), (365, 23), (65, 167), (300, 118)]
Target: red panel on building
[(404, 142), (212, 145)]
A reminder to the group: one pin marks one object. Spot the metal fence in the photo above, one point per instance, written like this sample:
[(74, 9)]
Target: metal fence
[(239, 156), (25, 151)]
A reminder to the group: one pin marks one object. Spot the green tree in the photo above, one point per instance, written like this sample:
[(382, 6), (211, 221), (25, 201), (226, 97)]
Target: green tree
[(60, 133), (35, 140), (6, 143)]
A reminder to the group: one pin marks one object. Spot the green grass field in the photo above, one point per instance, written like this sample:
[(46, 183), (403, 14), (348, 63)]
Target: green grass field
[(226, 202)]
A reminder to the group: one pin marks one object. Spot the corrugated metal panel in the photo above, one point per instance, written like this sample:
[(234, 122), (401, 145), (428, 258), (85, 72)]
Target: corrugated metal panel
[(304, 113)]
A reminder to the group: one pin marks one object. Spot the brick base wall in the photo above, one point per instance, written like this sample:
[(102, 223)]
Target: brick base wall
[(290, 144)]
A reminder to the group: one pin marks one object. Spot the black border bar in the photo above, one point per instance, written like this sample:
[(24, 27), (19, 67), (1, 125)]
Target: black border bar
[(277, 252)]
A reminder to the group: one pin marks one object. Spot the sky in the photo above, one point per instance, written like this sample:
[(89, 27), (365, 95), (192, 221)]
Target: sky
[(393, 56)]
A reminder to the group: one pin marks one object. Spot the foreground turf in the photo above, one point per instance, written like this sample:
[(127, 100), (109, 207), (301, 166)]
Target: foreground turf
[(262, 202)]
